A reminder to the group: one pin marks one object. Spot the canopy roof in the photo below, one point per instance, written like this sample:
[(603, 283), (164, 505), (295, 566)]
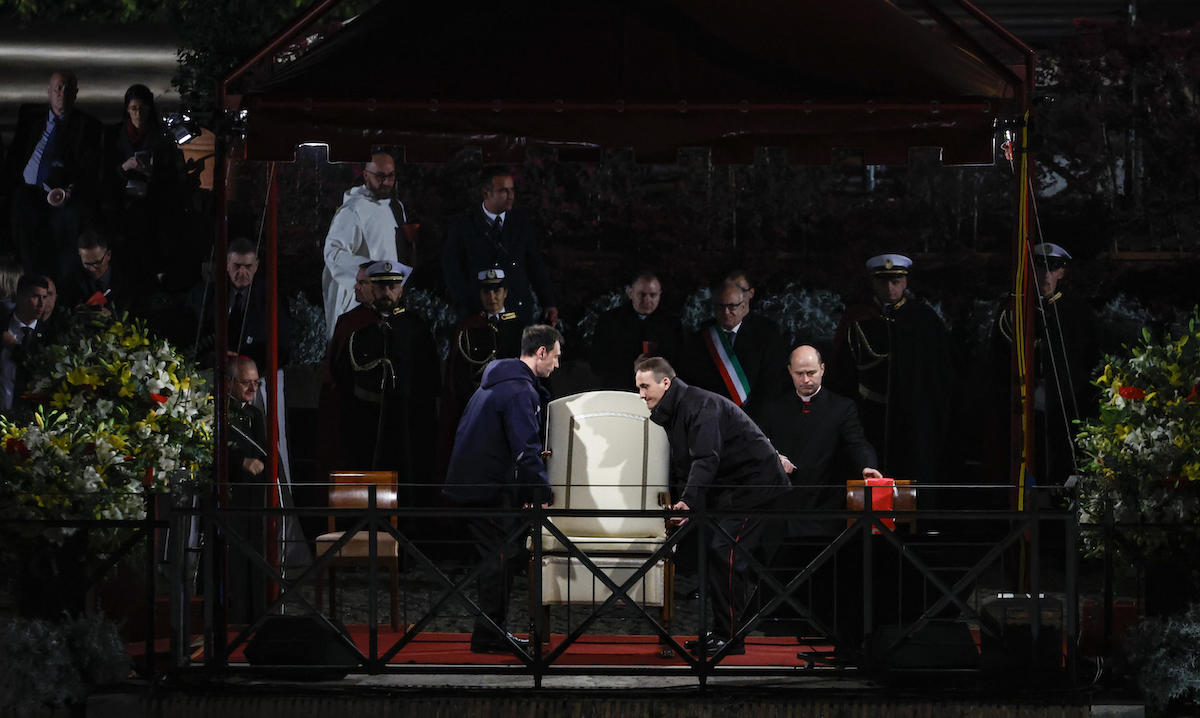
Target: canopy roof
[(809, 76)]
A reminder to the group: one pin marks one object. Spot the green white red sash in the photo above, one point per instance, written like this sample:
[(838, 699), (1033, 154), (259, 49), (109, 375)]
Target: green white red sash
[(728, 366)]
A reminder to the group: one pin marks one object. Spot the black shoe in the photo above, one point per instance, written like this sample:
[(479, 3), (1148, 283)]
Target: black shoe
[(493, 643), (694, 643), (714, 645)]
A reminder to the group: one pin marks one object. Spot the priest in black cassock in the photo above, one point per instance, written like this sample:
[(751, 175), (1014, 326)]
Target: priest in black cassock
[(894, 356), (819, 439), (634, 331), (821, 445)]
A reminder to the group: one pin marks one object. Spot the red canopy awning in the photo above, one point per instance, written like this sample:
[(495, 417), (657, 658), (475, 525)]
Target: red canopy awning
[(809, 76)]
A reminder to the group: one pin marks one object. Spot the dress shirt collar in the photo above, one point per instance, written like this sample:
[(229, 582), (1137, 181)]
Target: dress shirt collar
[(807, 399), (492, 217)]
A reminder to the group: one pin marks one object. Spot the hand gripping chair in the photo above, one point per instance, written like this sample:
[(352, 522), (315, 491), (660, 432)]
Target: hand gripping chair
[(349, 490), (606, 454)]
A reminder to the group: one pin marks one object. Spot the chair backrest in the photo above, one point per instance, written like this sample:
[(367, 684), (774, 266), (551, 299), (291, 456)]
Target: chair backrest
[(606, 454), (903, 498), (350, 490)]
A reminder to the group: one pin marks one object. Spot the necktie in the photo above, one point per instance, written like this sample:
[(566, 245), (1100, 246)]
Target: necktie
[(25, 332), (43, 155), (729, 337), (497, 225), (239, 306)]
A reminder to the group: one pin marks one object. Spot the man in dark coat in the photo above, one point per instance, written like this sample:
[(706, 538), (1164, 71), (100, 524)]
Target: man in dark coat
[(386, 375), (100, 280), (51, 174), (21, 331), (247, 472), (495, 235), (1065, 352), (821, 445), (894, 356), (247, 320), (497, 463), (634, 331), (725, 464), (738, 355), (819, 438)]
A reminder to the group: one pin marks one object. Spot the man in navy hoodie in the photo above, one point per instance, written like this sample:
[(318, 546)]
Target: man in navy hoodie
[(497, 463)]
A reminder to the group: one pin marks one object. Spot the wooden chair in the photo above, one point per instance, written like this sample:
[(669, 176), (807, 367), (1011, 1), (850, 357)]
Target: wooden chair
[(903, 498), (606, 455), (350, 490)]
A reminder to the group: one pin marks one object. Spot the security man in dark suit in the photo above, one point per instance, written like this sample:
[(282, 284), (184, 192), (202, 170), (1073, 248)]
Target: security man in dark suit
[(51, 172), (495, 235), (724, 463)]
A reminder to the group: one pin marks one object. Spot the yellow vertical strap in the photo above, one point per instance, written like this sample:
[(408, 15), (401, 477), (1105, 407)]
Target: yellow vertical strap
[(1020, 317)]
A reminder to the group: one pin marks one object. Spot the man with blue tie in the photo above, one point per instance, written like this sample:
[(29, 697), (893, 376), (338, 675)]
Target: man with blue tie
[(50, 174)]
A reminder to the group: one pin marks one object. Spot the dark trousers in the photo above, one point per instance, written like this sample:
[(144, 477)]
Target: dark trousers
[(44, 236), (499, 558), (730, 587)]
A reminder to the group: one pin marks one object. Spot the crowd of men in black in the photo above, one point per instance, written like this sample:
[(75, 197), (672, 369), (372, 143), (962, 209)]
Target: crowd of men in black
[(88, 211)]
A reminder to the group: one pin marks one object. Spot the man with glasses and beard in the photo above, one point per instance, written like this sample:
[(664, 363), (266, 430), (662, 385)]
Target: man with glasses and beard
[(369, 225), (386, 375)]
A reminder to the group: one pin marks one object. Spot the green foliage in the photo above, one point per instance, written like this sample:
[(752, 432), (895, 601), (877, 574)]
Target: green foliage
[(45, 664), (1143, 451), (118, 11), (1165, 653), (1122, 98)]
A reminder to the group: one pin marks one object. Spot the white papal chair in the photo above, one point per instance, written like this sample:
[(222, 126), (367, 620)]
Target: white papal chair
[(606, 454)]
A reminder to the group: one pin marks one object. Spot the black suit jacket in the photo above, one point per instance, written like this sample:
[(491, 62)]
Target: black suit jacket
[(19, 353), (79, 140), (470, 249), (618, 342), (826, 444), (761, 350), (252, 339), (125, 292)]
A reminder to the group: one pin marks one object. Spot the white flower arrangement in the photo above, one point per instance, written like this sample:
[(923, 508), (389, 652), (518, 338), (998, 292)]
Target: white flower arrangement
[(117, 410)]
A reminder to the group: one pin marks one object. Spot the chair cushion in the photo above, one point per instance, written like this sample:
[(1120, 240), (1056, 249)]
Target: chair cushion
[(359, 546)]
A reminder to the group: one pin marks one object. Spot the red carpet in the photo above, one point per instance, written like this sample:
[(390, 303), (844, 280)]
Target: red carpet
[(590, 650)]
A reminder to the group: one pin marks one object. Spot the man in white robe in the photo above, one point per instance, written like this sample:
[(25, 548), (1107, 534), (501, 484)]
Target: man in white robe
[(368, 226)]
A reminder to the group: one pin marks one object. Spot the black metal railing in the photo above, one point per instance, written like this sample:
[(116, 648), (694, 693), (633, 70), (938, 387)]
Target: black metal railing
[(994, 573)]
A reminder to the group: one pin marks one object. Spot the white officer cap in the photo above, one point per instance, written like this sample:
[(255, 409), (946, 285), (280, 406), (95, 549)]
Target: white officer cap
[(1050, 249), (889, 265), (385, 271), (492, 277)]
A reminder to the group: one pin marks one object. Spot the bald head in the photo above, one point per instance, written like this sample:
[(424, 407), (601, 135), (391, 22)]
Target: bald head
[(806, 370)]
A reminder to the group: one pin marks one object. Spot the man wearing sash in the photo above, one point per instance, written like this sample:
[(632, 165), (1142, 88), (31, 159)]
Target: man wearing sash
[(737, 355)]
